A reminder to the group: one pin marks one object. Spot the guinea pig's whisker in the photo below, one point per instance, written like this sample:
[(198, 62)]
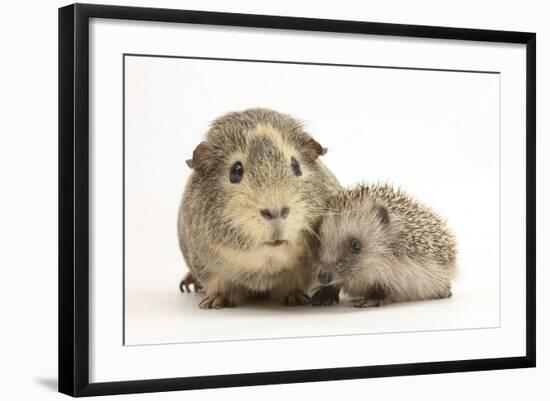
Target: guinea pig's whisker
[(312, 232)]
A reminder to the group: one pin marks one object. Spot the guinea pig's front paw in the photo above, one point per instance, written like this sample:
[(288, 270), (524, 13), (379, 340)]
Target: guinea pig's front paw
[(188, 281), (216, 302), (368, 302), (326, 296), (296, 298)]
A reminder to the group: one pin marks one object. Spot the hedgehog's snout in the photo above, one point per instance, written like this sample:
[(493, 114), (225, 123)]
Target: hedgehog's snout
[(325, 277)]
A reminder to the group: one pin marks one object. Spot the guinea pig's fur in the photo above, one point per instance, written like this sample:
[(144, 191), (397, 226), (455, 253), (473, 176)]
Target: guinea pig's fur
[(253, 236), (380, 246)]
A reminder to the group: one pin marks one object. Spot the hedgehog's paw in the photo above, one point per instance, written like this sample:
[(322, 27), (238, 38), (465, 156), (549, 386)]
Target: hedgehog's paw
[(216, 301), (368, 302), (296, 298), (446, 293), (326, 296)]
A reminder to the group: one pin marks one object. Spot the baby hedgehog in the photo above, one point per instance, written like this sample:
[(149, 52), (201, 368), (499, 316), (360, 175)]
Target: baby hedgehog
[(379, 246)]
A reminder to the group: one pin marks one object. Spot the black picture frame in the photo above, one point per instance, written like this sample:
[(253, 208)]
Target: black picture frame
[(74, 198)]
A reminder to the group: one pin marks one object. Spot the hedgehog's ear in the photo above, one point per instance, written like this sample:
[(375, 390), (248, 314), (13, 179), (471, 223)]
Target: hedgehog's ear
[(314, 148), (382, 214), (200, 156)]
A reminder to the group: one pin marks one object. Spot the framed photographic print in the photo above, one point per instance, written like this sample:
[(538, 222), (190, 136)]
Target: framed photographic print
[(251, 199)]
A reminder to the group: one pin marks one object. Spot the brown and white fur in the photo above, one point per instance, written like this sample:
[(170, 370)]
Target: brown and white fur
[(380, 246), (252, 233)]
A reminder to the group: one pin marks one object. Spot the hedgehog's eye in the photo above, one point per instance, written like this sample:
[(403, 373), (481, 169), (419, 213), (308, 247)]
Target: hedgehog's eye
[(236, 173), (355, 246), (295, 166)]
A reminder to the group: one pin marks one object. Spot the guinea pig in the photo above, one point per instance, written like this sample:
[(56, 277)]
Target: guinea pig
[(379, 246), (251, 207)]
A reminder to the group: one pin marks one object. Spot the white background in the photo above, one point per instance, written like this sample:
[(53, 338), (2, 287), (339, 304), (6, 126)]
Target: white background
[(29, 170), (433, 133), (110, 361)]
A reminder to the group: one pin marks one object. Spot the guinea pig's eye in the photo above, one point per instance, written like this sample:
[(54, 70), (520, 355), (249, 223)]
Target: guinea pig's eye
[(295, 166), (236, 173), (355, 246)]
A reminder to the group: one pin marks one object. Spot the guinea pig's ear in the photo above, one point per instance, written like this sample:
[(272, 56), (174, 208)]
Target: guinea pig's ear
[(200, 156), (314, 148), (382, 214)]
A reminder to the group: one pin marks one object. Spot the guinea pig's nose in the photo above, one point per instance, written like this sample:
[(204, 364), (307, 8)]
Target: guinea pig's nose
[(325, 277), (270, 214), (284, 212)]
